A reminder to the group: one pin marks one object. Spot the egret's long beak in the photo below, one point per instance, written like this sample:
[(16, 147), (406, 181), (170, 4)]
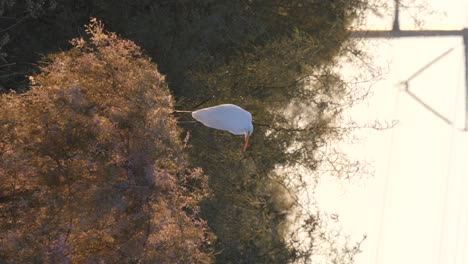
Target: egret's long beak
[(246, 142)]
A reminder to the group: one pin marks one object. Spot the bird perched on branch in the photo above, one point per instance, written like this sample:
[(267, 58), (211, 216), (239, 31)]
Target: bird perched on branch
[(227, 117)]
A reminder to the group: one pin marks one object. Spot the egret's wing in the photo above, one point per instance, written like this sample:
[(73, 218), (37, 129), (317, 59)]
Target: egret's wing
[(226, 117)]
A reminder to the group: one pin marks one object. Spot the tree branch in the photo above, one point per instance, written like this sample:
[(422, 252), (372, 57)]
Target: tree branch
[(15, 24)]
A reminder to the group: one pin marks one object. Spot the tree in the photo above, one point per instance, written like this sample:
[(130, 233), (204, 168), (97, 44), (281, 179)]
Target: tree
[(91, 163), (278, 59)]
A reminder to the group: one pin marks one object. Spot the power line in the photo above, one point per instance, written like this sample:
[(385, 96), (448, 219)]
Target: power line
[(462, 186), (386, 182), (465, 238), (389, 161), (449, 174), (397, 33)]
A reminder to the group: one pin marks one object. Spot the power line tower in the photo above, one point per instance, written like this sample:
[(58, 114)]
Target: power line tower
[(396, 32)]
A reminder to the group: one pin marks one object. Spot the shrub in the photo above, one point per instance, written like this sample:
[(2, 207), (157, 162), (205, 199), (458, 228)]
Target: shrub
[(91, 164)]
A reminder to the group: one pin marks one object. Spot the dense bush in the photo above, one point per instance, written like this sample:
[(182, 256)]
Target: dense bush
[(91, 164), (275, 58)]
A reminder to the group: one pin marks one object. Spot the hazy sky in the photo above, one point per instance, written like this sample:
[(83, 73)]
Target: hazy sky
[(415, 209)]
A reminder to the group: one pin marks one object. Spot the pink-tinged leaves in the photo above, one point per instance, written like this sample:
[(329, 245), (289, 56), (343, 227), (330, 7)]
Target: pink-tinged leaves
[(92, 166)]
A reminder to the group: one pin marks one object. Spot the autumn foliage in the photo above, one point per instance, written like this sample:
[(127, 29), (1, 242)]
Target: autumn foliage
[(91, 165)]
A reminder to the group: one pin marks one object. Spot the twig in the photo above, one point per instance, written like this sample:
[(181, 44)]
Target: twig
[(9, 64), (14, 25), (11, 74)]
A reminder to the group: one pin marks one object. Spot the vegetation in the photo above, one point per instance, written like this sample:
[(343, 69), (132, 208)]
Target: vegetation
[(275, 58), (92, 167)]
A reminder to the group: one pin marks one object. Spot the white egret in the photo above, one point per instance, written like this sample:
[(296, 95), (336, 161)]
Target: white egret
[(227, 117)]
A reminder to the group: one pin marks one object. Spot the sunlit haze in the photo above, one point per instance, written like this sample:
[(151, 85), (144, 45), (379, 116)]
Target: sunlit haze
[(414, 209)]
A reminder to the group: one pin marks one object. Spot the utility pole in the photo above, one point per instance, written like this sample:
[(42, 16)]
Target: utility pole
[(395, 32)]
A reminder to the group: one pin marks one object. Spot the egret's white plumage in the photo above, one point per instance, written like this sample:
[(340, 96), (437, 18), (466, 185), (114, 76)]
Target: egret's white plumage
[(227, 117)]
